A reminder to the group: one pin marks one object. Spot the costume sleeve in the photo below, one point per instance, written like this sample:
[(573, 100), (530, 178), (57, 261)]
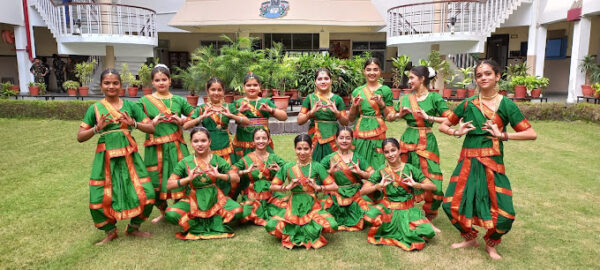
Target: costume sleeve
[(364, 165), (459, 112), (223, 165), (196, 112), (305, 105), (323, 177), (279, 178), (441, 108), (388, 96), (326, 162), (138, 113), (339, 104), (375, 178), (516, 118), (89, 119), (240, 164), (180, 170), (186, 108), (280, 161), (233, 109)]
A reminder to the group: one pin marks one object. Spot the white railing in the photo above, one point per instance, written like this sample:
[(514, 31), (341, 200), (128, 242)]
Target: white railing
[(88, 17), (479, 17), (463, 60)]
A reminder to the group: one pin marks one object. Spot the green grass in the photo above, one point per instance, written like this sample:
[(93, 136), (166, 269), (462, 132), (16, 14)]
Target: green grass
[(45, 220)]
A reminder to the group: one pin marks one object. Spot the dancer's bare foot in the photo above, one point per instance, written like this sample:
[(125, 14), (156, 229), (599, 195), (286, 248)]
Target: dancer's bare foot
[(109, 237), (465, 244), (436, 229), (138, 233), (158, 219), (493, 253)]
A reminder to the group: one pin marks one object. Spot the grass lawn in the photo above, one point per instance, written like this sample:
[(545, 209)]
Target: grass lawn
[(45, 220)]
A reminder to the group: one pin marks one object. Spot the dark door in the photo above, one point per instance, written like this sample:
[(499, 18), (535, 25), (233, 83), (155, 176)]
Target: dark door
[(497, 49)]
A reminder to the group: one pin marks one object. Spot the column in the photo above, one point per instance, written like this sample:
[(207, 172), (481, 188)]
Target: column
[(324, 41), (579, 49), (23, 63), (109, 59), (536, 49)]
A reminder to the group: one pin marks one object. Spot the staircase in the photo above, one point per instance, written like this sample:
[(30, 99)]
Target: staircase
[(458, 26), (85, 27)]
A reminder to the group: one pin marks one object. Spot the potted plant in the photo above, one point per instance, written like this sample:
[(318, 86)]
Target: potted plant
[(6, 90), (128, 80), (34, 89), (399, 64), (11, 87), (192, 80), (588, 65), (596, 87), (518, 84), (84, 72), (145, 74), (71, 87), (504, 86), (536, 85), (448, 80), (283, 73), (233, 64), (467, 80), (440, 66)]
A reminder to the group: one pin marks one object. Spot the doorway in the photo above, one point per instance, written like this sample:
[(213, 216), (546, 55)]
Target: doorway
[(497, 49)]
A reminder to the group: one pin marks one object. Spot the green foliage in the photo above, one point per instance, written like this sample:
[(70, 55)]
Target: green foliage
[(70, 84), (518, 69), (234, 61), (193, 78), (596, 87), (467, 74), (127, 78), (504, 85), (399, 64), (41, 109), (145, 73), (518, 80), (441, 67), (84, 71), (5, 91)]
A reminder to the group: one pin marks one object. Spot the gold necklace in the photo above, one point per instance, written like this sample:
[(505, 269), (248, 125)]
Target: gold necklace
[(481, 96), (495, 106)]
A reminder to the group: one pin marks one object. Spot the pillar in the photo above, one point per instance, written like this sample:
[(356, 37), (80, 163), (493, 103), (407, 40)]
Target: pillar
[(23, 63), (109, 59), (324, 41), (579, 49), (536, 49)]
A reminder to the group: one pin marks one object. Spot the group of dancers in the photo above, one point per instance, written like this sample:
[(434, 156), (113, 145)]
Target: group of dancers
[(343, 179)]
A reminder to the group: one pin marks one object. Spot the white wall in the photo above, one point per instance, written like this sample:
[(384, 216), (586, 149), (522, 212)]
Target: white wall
[(165, 10), (12, 12)]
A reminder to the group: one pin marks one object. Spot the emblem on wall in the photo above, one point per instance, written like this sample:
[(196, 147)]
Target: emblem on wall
[(274, 9)]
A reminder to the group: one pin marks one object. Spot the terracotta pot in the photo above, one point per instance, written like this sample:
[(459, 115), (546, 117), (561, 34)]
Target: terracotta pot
[(147, 91), (502, 92), (205, 99), (72, 92), (396, 92), (192, 100), (275, 92), (587, 90), (236, 97), (293, 93), (34, 90), (406, 91), (520, 91), (536, 93), (470, 92), (264, 93), (461, 93), (446, 93), (132, 91), (83, 91), (228, 98), (597, 94), (281, 102), (434, 90), (347, 100), (122, 92), (15, 88)]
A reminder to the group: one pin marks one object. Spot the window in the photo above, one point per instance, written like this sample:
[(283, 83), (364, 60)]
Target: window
[(377, 49), (293, 42)]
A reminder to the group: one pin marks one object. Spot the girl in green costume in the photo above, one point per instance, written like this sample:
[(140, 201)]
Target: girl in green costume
[(206, 211), (258, 169), (348, 169), (371, 104), (120, 187), (257, 110), (479, 192), (300, 220), (214, 116), (166, 146), (396, 221), (325, 110), (418, 145)]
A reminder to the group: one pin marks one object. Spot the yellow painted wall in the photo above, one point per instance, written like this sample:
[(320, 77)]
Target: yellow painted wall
[(514, 43), (45, 44), (595, 36), (187, 42)]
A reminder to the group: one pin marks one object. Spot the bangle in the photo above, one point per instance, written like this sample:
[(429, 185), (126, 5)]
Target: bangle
[(322, 188), (505, 136), (134, 124), (178, 183), (228, 177), (95, 129)]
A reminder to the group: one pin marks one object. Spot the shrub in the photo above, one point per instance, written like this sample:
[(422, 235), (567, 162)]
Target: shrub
[(556, 111)]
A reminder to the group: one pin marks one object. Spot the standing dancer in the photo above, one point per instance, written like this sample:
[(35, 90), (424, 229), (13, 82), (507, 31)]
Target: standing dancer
[(324, 109), (120, 187), (371, 103), (166, 146), (479, 192)]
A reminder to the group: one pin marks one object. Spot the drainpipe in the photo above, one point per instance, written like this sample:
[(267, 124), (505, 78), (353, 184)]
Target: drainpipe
[(28, 29)]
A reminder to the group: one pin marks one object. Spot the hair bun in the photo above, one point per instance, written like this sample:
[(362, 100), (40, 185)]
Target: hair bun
[(432, 72)]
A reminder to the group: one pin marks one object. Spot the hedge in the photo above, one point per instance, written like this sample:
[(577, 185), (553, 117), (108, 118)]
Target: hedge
[(74, 110)]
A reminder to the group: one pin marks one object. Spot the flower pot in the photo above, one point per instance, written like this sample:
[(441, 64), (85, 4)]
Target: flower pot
[(396, 92), (406, 91), (536, 93), (72, 92), (132, 91), (15, 88), (147, 91), (83, 91), (228, 98), (446, 93), (597, 94), (205, 99), (347, 100), (281, 102), (34, 90), (461, 93), (264, 93), (236, 97), (470, 92), (293, 93), (122, 92), (520, 91), (192, 100), (502, 92), (587, 90)]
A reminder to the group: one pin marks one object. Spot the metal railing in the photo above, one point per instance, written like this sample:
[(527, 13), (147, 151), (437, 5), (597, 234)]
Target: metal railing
[(88, 17), (463, 60), (478, 17)]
